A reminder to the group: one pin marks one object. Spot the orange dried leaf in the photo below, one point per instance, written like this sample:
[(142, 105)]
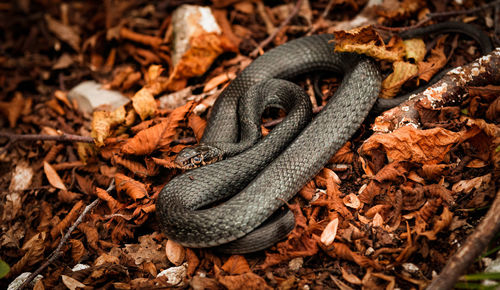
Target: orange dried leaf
[(300, 243), (329, 233), (343, 155), (342, 251), (243, 281), (103, 122), (159, 135), (113, 204), (197, 124), (133, 188), (53, 177), (13, 109), (175, 252), (402, 72), (235, 265), (410, 144), (135, 167), (442, 223), (144, 102), (365, 40), (434, 63), (77, 250), (218, 80), (70, 218), (203, 50), (415, 49)]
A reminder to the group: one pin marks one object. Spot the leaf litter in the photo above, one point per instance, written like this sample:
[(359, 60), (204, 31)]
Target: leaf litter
[(399, 199)]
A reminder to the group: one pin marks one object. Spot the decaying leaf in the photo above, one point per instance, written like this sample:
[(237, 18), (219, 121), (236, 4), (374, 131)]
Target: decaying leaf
[(365, 40), (133, 188), (103, 122), (158, 136), (53, 177), (410, 144)]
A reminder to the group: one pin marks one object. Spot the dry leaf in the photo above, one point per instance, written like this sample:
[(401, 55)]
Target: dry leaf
[(402, 72), (72, 283), (103, 122), (133, 188), (175, 252), (365, 40), (329, 233), (66, 33), (53, 177), (410, 144)]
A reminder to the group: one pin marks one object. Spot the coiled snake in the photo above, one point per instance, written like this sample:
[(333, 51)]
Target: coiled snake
[(256, 182)]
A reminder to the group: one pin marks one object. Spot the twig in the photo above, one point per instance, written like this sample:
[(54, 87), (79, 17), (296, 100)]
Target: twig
[(450, 89), (57, 252), (42, 137), (278, 30), (460, 12), (474, 245), (434, 15)]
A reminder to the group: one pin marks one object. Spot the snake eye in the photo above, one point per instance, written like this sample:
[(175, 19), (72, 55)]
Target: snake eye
[(196, 160)]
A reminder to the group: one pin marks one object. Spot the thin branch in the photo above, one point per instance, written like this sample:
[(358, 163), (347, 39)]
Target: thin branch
[(57, 252), (474, 245), (461, 12), (431, 16), (270, 38), (43, 137)]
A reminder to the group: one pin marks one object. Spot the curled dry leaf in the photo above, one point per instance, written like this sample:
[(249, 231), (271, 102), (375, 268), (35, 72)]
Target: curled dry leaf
[(434, 63), (351, 200), (300, 242), (342, 251), (77, 250), (415, 49), (112, 203), (349, 277), (105, 258), (72, 283), (13, 109), (343, 155), (203, 50), (365, 40), (64, 32), (53, 177), (133, 188), (440, 224), (329, 233), (103, 122), (410, 144), (236, 264), (160, 135), (68, 220), (91, 234), (466, 186), (144, 102), (240, 275), (402, 72), (175, 252), (398, 10), (192, 261), (137, 168), (197, 124)]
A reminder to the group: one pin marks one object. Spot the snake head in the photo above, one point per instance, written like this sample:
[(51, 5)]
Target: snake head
[(197, 156)]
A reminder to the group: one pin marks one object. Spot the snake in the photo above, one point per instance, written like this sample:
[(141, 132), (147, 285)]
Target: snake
[(237, 181)]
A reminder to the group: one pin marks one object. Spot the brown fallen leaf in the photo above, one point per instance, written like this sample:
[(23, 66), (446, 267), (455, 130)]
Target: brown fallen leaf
[(53, 177), (240, 275), (133, 188), (158, 136), (410, 144)]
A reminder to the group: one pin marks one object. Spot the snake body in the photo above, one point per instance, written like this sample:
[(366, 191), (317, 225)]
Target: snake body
[(255, 183)]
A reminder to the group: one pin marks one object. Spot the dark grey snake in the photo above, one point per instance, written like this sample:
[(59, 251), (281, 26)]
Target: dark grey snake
[(249, 187)]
